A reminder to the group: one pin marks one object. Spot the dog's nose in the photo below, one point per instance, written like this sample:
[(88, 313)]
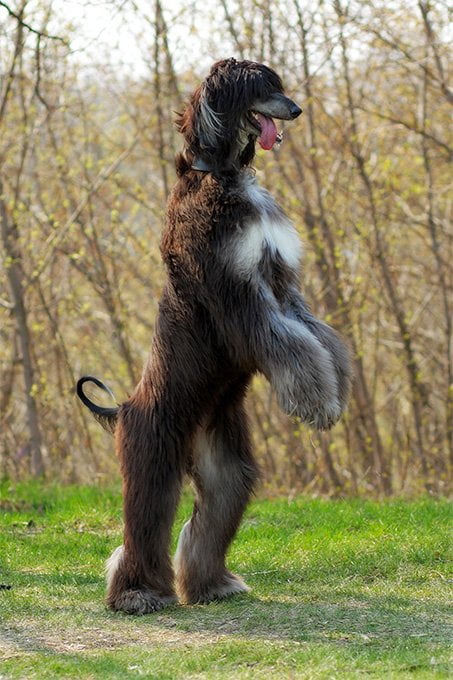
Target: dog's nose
[(295, 110)]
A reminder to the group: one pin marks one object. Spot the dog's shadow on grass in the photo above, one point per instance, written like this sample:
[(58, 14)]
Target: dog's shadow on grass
[(329, 618), (297, 613), (362, 625)]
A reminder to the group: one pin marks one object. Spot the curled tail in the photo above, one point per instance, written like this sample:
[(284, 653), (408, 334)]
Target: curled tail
[(105, 416)]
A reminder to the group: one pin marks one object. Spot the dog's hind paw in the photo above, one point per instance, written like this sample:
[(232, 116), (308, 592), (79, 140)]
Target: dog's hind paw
[(229, 584), (140, 602)]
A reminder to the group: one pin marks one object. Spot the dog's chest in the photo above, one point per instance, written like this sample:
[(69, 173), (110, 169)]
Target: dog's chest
[(267, 240)]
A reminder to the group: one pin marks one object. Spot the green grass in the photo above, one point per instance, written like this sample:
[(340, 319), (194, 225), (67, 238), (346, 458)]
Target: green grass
[(341, 589)]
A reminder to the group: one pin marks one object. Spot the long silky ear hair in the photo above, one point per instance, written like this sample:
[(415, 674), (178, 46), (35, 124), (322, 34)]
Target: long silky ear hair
[(210, 125), (204, 131)]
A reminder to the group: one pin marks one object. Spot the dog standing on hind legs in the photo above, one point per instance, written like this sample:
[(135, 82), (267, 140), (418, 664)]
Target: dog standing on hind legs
[(231, 307)]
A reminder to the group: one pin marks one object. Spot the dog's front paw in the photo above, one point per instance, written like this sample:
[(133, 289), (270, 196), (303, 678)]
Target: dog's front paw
[(325, 416), (340, 356), (317, 415), (312, 398)]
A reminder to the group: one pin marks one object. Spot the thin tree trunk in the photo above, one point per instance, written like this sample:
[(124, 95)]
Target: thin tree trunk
[(418, 394), (159, 30), (15, 276), (436, 250)]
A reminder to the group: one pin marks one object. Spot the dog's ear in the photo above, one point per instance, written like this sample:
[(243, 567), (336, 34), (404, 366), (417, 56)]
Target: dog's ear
[(209, 126), (202, 127), (199, 124)]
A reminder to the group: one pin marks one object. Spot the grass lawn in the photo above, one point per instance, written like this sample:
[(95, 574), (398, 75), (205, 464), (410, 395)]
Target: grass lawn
[(340, 589)]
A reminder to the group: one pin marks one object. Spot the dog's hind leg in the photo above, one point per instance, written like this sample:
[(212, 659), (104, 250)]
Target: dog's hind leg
[(151, 451), (224, 474)]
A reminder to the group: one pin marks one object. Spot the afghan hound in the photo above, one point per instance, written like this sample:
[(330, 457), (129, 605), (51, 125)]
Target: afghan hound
[(231, 307)]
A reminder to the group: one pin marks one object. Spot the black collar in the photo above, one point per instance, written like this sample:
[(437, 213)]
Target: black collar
[(200, 164)]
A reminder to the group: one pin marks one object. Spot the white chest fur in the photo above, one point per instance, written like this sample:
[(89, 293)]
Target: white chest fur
[(271, 230)]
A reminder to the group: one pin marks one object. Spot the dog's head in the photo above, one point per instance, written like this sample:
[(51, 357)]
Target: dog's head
[(232, 109)]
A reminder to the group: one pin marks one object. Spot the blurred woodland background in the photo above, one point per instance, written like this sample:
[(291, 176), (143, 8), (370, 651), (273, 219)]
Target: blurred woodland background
[(87, 143)]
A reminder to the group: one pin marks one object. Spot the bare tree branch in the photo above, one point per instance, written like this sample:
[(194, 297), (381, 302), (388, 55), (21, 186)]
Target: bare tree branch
[(29, 28)]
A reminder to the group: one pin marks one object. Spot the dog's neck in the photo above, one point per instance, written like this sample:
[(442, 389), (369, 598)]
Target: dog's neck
[(235, 160)]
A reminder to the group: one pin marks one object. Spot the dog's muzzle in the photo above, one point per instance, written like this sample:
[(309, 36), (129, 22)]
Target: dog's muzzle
[(278, 106), (262, 115)]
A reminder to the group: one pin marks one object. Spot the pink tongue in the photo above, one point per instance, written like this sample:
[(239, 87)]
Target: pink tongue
[(268, 135)]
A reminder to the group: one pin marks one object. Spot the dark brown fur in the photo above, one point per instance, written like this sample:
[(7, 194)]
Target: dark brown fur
[(215, 328)]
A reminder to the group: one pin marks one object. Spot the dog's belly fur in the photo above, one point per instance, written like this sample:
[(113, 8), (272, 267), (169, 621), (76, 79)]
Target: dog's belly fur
[(270, 236)]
